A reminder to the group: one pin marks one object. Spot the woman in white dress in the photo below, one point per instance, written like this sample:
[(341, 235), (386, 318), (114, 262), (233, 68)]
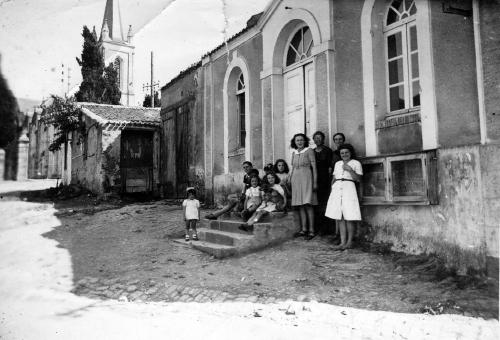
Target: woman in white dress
[(343, 203)]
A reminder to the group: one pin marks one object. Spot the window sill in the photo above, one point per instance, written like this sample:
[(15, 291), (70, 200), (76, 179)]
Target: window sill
[(403, 118), (402, 112), (237, 152), (387, 203)]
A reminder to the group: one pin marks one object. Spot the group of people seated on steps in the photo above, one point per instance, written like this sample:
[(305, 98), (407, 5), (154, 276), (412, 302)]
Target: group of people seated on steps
[(320, 185)]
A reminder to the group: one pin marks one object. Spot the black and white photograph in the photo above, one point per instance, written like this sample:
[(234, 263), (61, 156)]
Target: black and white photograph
[(265, 169)]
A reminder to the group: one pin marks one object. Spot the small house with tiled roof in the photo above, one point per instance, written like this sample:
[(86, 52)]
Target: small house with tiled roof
[(118, 149)]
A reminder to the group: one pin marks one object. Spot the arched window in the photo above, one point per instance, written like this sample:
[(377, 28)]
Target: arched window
[(240, 108), (118, 68), (300, 46), (402, 70)]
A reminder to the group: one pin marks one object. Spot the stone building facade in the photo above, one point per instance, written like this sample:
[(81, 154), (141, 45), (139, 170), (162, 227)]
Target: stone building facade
[(412, 84), (43, 163)]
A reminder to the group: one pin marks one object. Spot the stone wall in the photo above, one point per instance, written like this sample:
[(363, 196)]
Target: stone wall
[(110, 160), (455, 77), (348, 73), (86, 160), (43, 163), (187, 92), (463, 227), (490, 44)]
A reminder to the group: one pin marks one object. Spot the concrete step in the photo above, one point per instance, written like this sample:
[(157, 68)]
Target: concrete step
[(276, 215), (224, 237), (217, 250), (228, 225)]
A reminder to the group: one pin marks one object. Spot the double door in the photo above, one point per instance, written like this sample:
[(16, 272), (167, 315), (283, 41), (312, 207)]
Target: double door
[(300, 103)]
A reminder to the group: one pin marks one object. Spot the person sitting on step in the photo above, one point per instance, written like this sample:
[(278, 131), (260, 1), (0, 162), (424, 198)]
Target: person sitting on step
[(252, 198), (267, 169), (236, 201), (272, 201)]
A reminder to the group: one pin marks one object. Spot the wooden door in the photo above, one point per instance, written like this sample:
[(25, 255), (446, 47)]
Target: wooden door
[(310, 100), (181, 150), (294, 105), (136, 161), (168, 161)]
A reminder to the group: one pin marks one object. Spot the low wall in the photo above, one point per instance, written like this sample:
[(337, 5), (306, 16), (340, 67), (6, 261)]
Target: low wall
[(226, 184), (463, 227), (110, 161)]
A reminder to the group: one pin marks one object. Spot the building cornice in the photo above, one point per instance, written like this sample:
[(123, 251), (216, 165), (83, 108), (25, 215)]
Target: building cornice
[(268, 12), (234, 43)]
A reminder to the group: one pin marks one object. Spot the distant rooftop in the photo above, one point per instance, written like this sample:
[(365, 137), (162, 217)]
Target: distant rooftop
[(130, 115)]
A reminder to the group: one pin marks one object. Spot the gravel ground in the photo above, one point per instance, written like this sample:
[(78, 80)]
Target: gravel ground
[(83, 271), (129, 253)]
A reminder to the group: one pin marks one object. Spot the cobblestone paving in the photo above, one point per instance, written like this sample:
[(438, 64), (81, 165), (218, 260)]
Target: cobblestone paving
[(153, 291)]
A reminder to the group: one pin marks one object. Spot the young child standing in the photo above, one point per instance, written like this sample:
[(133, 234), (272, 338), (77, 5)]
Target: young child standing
[(191, 212)]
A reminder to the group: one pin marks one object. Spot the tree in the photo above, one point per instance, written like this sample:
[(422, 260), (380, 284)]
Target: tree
[(99, 83), (64, 115), (111, 92), (8, 114), (147, 100)]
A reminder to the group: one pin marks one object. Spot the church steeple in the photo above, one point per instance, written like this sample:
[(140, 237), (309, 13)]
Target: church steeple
[(113, 20), (118, 49)]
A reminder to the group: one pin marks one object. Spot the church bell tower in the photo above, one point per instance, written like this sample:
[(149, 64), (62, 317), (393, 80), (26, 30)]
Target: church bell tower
[(118, 50)]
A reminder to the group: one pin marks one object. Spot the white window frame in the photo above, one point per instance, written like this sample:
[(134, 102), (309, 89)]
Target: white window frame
[(301, 62), (402, 26), (241, 93), (389, 198), (390, 186)]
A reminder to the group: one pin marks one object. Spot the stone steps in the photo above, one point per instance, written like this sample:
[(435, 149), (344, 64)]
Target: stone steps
[(217, 250), (227, 225), (222, 238)]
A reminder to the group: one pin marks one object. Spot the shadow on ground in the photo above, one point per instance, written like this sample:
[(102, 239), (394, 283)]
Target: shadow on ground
[(126, 251)]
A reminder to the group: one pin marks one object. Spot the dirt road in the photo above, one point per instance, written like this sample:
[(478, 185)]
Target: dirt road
[(70, 275)]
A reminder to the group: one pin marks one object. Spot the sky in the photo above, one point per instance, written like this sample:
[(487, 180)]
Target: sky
[(37, 37)]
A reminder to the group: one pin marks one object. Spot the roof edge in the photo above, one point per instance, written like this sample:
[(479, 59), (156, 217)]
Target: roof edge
[(118, 106), (93, 116)]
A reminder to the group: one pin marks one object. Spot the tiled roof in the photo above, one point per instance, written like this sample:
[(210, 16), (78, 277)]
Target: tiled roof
[(129, 115)]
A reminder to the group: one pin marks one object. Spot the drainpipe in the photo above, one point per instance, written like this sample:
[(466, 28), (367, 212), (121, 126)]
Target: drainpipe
[(479, 71)]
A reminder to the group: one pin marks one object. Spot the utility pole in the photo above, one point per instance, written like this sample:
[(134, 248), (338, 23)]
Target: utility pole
[(69, 79), (151, 86), (62, 79)]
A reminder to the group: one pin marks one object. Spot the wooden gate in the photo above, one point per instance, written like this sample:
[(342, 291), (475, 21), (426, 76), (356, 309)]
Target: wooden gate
[(136, 161), (177, 141)]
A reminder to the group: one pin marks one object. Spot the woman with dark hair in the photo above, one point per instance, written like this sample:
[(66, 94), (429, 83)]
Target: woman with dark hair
[(324, 167), (268, 168), (343, 204), (303, 178), (338, 140), (282, 171)]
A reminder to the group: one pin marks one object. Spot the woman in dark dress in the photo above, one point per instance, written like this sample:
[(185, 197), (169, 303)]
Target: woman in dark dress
[(338, 140), (324, 167)]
